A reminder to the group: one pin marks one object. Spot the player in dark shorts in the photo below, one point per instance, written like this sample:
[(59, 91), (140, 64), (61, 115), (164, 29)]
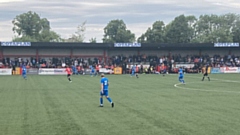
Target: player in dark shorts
[(69, 72), (205, 74)]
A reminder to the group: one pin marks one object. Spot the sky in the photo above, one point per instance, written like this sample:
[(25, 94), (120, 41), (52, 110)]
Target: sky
[(138, 15)]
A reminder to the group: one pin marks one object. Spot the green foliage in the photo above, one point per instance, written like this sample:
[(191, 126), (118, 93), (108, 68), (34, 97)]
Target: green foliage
[(24, 39), (178, 31), (93, 40), (214, 28), (189, 29), (49, 36), (30, 27), (183, 29), (154, 34), (116, 31), (78, 36)]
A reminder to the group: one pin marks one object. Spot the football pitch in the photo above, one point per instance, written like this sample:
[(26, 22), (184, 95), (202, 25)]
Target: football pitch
[(150, 105)]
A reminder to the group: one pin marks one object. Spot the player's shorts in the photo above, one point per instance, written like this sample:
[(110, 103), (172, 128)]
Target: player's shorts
[(92, 71), (205, 74), (68, 75), (180, 77), (133, 72), (105, 93)]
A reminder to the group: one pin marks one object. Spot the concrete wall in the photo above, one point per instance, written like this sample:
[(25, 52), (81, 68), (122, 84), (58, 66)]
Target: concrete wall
[(54, 52), (20, 52)]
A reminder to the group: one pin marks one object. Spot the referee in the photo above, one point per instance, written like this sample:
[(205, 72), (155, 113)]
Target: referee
[(206, 73)]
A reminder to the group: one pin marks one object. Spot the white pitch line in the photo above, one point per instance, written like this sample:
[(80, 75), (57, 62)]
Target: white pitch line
[(194, 76), (176, 86), (223, 80)]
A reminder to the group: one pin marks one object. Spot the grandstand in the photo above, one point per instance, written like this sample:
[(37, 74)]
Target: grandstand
[(84, 54)]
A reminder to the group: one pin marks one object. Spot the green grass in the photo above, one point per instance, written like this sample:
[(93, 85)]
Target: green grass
[(150, 105)]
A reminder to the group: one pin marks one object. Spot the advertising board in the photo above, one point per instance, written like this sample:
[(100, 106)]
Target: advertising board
[(52, 71), (5, 71), (229, 69), (216, 71)]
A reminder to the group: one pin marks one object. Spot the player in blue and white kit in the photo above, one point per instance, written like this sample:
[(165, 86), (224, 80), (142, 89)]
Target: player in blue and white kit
[(134, 71), (24, 72), (92, 72), (104, 91), (181, 76)]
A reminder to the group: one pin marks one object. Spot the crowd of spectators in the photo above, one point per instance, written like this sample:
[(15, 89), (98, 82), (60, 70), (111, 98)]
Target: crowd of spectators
[(125, 61)]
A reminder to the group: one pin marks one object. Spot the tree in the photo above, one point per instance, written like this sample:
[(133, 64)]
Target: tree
[(93, 40), (24, 39), (178, 31), (214, 28), (236, 32), (79, 35), (49, 36), (154, 34), (30, 27), (116, 32)]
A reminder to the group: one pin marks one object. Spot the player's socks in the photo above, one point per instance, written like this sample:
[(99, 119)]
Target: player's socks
[(69, 79), (109, 99), (112, 104), (208, 78), (101, 101), (203, 78)]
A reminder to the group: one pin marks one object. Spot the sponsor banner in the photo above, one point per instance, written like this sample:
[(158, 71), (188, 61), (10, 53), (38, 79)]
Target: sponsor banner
[(105, 70), (87, 71), (127, 44), (118, 70), (226, 44), (15, 43), (32, 71), (184, 65), (5, 71), (139, 66), (52, 71), (17, 71), (216, 71), (229, 69), (239, 70)]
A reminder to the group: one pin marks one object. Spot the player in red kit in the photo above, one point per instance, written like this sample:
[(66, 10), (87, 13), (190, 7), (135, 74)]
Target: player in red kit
[(163, 69), (69, 72)]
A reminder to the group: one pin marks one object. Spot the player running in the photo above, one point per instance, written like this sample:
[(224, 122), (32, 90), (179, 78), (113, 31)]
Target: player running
[(24, 72), (104, 91), (69, 72), (206, 73), (92, 72), (181, 76), (134, 71)]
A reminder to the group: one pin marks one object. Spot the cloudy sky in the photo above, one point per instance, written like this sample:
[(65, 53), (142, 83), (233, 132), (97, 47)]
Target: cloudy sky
[(138, 15)]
